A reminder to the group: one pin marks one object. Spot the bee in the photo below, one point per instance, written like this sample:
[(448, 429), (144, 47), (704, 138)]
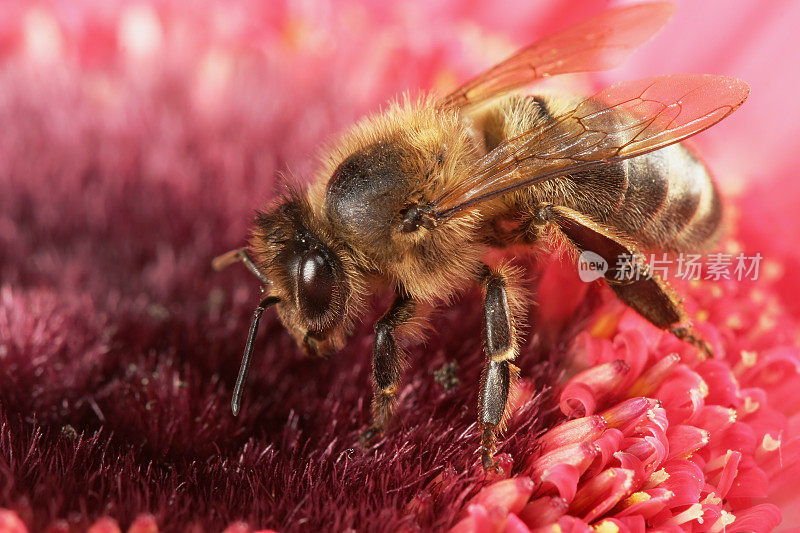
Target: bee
[(413, 200)]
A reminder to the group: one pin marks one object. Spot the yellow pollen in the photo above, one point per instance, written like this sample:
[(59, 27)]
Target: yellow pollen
[(605, 326), (773, 270), (718, 462), (702, 315), (750, 405), (628, 485), (734, 322), (770, 444), (725, 520), (766, 323), (657, 477), (692, 513), (749, 358), (606, 526), (637, 497)]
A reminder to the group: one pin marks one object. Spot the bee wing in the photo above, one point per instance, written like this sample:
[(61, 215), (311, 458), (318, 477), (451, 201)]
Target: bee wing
[(599, 43), (624, 120)]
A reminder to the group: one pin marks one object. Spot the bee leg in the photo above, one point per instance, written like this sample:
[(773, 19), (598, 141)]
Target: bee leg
[(500, 347), (687, 334), (634, 284), (386, 366)]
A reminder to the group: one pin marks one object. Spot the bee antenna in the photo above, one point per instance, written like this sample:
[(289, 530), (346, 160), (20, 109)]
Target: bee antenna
[(236, 401), (240, 254)]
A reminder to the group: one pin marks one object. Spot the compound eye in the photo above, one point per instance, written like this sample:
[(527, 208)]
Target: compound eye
[(315, 284)]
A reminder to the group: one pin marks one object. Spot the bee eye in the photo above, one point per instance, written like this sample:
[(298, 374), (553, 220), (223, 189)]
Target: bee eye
[(315, 284)]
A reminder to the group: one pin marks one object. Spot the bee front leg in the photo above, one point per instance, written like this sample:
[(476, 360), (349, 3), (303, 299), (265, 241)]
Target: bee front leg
[(387, 365), (500, 346)]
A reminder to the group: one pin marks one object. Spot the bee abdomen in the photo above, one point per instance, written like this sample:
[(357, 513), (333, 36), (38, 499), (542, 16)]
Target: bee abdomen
[(665, 200), (671, 202)]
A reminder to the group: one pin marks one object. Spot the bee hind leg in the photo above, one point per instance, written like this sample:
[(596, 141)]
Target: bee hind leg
[(633, 283), (387, 363), (500, 348)]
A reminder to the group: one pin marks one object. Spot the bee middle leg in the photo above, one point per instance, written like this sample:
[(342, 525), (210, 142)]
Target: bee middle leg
[(500, 347), (386, 366), (644, 291)]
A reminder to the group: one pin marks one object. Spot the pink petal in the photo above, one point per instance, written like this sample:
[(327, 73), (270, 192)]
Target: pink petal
[(772, 368), (750, 483), (651, 451), (628, 461), (626, 415), (580, 429), (578, 400), (653, 377), (635, 354), (785, 456), (759, 518), (477, 521), (10, 522), (564, 478), (714, 419), (515, 525), (729, 472), (543, 511), (104, 525), (656, 421), (684, 440), (740, 436), (634, 524), (570, 524), (510, 495), (722, 386), (607, 445), (682, 394), (144, 523), (601, 493), (579, 456), (586, 389), (685, 481), (645, 504)]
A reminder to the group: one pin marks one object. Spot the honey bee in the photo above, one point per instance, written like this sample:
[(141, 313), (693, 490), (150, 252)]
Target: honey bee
[(413, 199)]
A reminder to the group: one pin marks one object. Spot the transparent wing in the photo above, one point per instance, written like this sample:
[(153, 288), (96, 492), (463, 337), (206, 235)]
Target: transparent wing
[(622, 121), (599, 43)]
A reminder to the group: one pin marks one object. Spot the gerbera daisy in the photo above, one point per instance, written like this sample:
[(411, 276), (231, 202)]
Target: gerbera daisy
[(138, 140)]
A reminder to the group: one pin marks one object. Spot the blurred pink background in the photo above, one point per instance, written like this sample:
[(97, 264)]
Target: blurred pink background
[(267, 84)]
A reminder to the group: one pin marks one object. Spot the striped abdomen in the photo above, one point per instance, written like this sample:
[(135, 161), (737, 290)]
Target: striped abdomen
[(665, 200)]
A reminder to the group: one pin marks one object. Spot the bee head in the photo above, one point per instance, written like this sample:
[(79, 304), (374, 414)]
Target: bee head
[(306, 270)]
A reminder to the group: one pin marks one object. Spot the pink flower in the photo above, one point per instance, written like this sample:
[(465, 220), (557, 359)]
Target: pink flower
[(661, 441), (138, 138)]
